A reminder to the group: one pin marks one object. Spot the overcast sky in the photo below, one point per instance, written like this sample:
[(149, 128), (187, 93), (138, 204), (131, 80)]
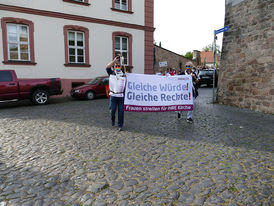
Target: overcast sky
[(187, 25)]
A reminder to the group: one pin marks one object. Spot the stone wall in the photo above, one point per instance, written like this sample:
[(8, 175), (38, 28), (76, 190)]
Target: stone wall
[(246, 77), (174, 60)]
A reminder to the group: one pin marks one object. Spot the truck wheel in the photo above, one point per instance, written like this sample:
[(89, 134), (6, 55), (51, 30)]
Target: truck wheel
[(90, 95), (40, 97)]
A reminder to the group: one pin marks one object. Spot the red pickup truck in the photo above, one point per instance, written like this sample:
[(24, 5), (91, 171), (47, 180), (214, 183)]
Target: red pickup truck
[(37, 90)]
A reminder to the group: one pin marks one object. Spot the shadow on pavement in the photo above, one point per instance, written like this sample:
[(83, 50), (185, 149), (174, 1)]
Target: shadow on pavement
[(213, 123)]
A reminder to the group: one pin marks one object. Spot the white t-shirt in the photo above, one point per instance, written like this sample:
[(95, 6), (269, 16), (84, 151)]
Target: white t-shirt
[(117, 84)]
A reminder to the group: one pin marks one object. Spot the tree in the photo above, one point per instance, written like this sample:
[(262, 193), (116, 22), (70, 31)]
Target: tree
[(205, 61), (210, 48), (218, 51), (189, 55)]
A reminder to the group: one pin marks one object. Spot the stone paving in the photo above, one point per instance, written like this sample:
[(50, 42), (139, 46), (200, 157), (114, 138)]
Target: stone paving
[(66, 153)]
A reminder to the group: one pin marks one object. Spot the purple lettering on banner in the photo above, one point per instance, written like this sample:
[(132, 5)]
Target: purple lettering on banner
[(134, 108)]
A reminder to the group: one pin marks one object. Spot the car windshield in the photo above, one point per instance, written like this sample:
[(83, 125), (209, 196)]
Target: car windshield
[(94, 81), (206, 72), (105, 81)]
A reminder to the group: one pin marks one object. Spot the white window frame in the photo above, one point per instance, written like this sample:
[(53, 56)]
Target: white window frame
[(76, 47), (120, 5), (18, 42), (121, 50)]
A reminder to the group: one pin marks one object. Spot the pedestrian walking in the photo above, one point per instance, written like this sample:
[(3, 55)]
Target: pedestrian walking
[(167, 72), (188, 71), (172, 72), (196, 72), (117, 82)]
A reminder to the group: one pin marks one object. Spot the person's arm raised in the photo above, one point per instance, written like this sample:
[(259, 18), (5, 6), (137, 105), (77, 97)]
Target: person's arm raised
[(115, 60), (123, 62)]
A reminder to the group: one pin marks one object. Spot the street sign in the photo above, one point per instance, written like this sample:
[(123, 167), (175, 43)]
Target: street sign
[(163, 64), (226, 28)]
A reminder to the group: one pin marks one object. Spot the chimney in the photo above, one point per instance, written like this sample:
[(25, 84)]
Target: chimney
[(196, 57)]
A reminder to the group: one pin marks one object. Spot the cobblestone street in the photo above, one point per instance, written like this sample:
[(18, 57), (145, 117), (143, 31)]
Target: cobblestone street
[(67, 153)]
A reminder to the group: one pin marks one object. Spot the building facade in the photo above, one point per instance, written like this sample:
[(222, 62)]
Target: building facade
[(246, 79), (170, 59), (207, 59), (75, 39)]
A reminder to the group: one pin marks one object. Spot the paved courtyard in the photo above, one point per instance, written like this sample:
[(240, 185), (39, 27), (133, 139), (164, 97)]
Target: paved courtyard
[(66, 153)]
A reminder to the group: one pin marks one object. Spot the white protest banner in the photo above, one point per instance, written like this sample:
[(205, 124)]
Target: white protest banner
[(153, 93)]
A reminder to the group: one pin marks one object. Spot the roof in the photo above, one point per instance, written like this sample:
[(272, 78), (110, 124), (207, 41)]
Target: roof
[(168, 50), (207, 56)]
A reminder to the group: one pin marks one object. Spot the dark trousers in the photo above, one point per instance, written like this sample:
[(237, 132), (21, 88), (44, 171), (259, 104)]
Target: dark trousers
[(114, 103)]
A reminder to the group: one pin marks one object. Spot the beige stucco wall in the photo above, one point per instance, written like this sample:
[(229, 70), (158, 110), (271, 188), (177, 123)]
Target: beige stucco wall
[(100, 9), (49, 48)]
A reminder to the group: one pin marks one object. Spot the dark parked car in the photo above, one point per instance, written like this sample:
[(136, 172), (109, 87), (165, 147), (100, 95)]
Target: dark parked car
[(95, 88), (206, 77)]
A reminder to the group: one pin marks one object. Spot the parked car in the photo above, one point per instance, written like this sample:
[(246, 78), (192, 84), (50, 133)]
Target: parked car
[(91, 90), (37, 90), (206, 77)]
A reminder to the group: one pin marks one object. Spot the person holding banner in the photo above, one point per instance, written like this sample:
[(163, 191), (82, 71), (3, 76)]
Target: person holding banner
[(188, 71), (195, 71), (117, 83)]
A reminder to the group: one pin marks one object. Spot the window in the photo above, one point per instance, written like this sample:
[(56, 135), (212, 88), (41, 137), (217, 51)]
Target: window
[(76, 46), (5, 76), (206, 72), (105, 81), (122, 6), (18, 41), (122, 46), (94, 81), (80, 2), (121, 49), (76, 84)]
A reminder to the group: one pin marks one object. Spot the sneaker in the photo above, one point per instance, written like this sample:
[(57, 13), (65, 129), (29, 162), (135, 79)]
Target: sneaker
[(120, 129), (189, 120), (179, 115)]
